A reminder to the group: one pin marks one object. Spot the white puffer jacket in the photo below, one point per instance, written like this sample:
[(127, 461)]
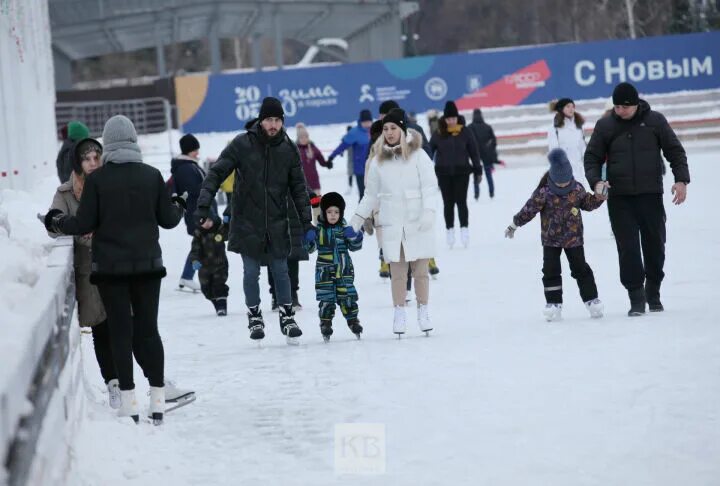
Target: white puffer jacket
[(405, 193), (569, 138)]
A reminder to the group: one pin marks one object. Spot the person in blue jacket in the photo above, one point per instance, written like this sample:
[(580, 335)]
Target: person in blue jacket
[(357, 139)]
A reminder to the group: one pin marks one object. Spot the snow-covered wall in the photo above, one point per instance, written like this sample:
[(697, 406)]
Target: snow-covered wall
[(27, 93)]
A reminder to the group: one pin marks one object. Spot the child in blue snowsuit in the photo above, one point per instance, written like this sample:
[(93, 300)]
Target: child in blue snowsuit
[(334, 273)]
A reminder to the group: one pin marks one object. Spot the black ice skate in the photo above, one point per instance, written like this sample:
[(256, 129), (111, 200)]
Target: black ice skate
[(355, 327), (288, 326), (637, 302), (326, 329), (255, 323), (652, 294), (220, 306)]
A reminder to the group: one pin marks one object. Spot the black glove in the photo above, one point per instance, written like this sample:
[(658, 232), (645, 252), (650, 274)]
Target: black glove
[(329, 164), (478, 175), (180, 200), (52, 219), (202, 213)]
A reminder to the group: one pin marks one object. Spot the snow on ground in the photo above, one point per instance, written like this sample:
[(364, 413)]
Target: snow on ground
[(495, 396)]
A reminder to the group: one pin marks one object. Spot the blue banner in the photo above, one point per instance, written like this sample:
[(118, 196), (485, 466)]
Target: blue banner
[(514, 76)]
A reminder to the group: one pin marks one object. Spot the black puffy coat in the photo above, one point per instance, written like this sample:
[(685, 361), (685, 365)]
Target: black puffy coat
[(187, 177), (64, 160), (123, 205), (267, 171), (485, 139), (453, 152), (297, 234), (632, 150)]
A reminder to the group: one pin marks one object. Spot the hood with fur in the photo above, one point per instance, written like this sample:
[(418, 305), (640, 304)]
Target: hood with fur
[(413, 140)]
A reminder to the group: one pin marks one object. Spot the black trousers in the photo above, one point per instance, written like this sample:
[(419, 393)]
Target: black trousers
[(579, 269), (103, 351), (638, 223), (293, 271), (454, 189), (213, 282), (360, 185), (132, 309)]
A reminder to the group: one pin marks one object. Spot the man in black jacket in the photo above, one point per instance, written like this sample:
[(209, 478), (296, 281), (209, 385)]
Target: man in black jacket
[(267, 167), (487, 147), (630, 141)]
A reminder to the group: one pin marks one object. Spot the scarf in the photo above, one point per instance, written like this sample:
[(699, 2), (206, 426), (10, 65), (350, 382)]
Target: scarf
[(78, 182), (454, 130), (122, 152), (561, 191)]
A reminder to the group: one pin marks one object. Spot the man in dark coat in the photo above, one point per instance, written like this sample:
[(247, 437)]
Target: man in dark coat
[(188, 176), (630, 141), (487, 147), (267, 168)]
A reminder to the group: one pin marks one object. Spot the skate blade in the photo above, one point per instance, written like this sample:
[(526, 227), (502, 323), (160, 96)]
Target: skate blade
[(427, 332), (189, 291), (358, 336), (326, 339), (399, 334), (179, 402), (293, 341)]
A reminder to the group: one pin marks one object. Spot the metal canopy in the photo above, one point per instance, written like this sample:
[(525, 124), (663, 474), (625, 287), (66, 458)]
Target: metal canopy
[(86, 28)]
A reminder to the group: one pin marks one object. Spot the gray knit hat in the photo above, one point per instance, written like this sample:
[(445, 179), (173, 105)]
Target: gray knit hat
[(120, 141), (560, 168)]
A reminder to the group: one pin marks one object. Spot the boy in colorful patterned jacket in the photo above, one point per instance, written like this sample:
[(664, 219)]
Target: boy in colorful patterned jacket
[(334, 273), (559, 199), (208, 256)]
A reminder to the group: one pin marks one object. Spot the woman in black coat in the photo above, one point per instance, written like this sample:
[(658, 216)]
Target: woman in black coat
[(123, 203)]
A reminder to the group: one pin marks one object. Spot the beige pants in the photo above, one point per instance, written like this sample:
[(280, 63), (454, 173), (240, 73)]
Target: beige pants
[(419, 269)]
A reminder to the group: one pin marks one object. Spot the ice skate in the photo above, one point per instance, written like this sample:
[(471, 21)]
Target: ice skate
[(326, 329), (399, 321), (450, 237), (188, 285), (256, 323), (465, 237), (433, 269), (176, 397), (114, 397), (652, 295), (355, 327), (288, 326), (128, 405), (595, 307), (553, 312), (220, 306), (423, 319), (384, 270), (637, 302), (157, 404)]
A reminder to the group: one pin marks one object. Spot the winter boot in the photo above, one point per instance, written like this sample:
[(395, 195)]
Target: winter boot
[(595, 307), (465, 236), (450, 237), (423, 319), (552, 312), (255, 323), (652, 294), (433, 268), (295, 302), (637, 302), (326, 329), (157, 404), (399, 320), (220, 306), (114, 398), (188, 284), (355, 327), (128, 405), (384, 269), (288, 326)]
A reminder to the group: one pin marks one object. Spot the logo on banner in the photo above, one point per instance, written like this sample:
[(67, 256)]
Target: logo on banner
[(436, 88), (315, 97), (247, 99), (365, 94), (474, 82), (525, 79)]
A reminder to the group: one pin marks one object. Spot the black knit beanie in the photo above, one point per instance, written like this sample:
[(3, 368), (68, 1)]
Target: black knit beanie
[(188, 143), (82, 148), (271, 108), (562, 103), (450, 110), (388, 105), (365, 115), (396, 116), (625, 94), (332, 199)]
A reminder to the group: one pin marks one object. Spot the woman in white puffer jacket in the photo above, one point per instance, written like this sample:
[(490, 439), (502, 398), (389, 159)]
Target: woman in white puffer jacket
[(402, 187), (567, 134)]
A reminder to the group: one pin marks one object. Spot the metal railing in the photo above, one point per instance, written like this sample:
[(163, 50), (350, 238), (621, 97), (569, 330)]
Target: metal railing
[(149, 115)]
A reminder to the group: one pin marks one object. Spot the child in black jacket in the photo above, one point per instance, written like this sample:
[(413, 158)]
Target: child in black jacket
[(209, 258)]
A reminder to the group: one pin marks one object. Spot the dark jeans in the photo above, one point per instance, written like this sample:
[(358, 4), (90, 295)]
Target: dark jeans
[(638, 223), (489, 178), (188, 271), (251, 280), (132, 308), (454, 190), (293, 271), (103, 352), (579, 269), (361, 184)]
